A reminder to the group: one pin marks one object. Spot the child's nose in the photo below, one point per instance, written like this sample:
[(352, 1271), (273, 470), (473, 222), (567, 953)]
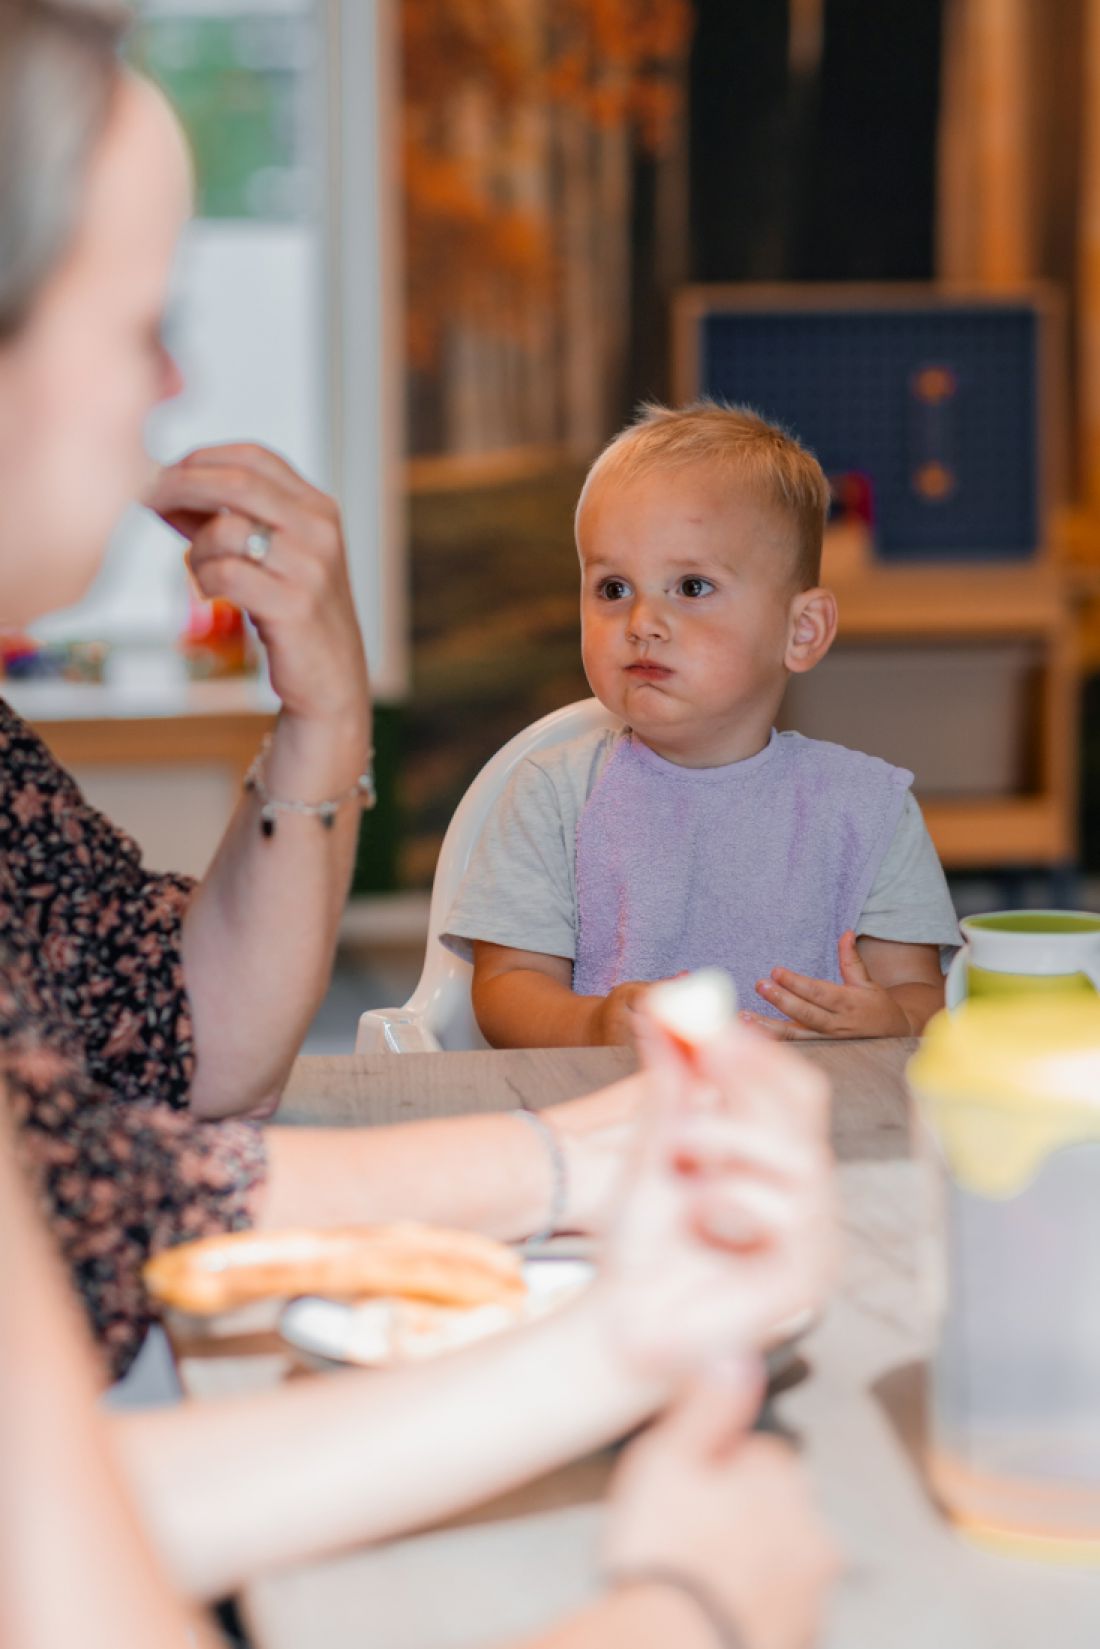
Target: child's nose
[(646, 619)]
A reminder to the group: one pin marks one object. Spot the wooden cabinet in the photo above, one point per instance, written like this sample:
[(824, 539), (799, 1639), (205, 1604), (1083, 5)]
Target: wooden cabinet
[(914, 606)]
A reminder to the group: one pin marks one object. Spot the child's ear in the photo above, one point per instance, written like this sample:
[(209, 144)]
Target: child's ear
[(813, 629)]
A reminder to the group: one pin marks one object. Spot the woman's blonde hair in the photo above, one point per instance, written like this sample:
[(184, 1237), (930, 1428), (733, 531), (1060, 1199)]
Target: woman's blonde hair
[(59, 69), (761, 460)]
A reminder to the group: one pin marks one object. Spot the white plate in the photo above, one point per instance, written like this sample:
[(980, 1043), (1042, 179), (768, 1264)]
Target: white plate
[(377, 1333)]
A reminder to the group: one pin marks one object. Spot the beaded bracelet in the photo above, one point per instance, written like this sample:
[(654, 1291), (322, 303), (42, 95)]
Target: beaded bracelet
[(559, 1191), (726, 1631), (362, 791)]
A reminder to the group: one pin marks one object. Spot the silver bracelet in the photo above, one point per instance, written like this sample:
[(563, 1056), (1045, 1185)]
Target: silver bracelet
[(726, 1632), (362, 791), (559, 1190)]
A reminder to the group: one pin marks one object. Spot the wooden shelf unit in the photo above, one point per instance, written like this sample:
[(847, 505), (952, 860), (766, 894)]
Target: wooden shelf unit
[(229, 740), (943, 604)]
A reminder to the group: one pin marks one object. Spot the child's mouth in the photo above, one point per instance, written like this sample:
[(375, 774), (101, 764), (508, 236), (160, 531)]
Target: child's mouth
[(648, 671)]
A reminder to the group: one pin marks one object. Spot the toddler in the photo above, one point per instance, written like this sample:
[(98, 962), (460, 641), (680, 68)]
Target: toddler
[(696, 835)]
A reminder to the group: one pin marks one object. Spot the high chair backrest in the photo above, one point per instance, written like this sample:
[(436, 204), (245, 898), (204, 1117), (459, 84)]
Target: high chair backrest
[(439, 1013)]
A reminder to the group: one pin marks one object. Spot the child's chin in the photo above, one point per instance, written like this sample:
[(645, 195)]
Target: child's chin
[(651, 703)]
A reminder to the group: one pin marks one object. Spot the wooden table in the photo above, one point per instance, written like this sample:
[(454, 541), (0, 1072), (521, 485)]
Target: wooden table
[(510, 1567)]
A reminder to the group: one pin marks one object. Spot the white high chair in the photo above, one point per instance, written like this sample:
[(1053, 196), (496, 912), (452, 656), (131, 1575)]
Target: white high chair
[(439, 1014)]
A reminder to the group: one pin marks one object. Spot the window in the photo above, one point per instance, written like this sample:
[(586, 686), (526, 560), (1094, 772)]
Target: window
[(277, 318), (244, 76)]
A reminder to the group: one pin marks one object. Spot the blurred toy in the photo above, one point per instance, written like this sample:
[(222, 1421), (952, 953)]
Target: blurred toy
[(22, 658), (216, 641), (849, 533)]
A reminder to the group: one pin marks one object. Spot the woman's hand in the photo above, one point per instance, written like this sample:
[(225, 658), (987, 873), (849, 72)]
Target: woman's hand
[(298, 595), (729, 1512), (727, 1229)]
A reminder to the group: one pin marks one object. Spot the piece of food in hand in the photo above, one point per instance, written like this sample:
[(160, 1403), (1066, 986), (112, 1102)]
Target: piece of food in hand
[(693, 1010), (405, 1260)]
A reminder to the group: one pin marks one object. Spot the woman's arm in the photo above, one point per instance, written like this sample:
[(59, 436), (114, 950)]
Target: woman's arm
[(634, 1617), (490, 1173), (260, 931), (259, 934), (726, 1230), (323, 1464), (75, 1566)]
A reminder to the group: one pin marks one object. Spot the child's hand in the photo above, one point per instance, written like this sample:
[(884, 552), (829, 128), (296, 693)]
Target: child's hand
[(615, 1018), (817, 1007)]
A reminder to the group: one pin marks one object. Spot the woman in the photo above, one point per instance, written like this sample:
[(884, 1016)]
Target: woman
[(121, 976), (725, 1226)]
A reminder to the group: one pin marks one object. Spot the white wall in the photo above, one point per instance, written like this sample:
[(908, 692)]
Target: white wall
[(291, 334)]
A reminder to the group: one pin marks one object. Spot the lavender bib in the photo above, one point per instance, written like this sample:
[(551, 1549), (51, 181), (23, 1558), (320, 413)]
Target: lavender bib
[(760, 864)]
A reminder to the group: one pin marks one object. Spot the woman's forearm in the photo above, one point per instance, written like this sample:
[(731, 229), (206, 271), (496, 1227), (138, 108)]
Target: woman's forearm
[(260, 932), (483, 1173), (490, 1173), (75, 1565), (326, 1463), (636, 1617)]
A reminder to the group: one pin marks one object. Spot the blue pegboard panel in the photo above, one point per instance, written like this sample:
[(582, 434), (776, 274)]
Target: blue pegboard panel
[(939, 406)]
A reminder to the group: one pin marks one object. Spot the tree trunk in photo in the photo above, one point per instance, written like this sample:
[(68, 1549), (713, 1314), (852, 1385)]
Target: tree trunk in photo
[(662, 261), (1088, 328), (956, 224), (671, 214), (1019, 169), (614, 215), (537, 388), (986, 180), (583, 408)]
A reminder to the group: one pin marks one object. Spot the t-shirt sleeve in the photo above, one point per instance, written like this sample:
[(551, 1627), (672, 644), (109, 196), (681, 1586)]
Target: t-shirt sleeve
[(518, 888), (910, 901)]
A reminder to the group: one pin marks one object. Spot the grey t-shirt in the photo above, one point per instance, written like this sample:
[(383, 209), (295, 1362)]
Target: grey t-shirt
[(520, 887)]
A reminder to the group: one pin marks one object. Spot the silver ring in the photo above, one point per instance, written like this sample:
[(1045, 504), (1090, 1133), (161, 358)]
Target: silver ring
[(257, 546)]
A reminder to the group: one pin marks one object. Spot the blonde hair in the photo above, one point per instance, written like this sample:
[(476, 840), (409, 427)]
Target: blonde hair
[(59, 69), (759, 457)]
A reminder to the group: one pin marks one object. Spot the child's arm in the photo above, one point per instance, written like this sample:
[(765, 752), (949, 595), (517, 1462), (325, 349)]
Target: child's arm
[(524, 999), (889, 989)]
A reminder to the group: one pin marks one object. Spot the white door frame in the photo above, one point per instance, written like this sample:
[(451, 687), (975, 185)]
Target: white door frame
[(364, 322)]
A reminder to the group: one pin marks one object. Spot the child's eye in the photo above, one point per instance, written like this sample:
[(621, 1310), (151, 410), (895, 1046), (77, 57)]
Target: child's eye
[(695, 586), (613, 589)]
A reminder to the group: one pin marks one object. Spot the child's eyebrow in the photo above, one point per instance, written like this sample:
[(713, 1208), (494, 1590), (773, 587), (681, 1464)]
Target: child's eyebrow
[(704, 564), (692, 563)]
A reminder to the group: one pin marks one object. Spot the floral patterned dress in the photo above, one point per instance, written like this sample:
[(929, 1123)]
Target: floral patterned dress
[(96, 1054)]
